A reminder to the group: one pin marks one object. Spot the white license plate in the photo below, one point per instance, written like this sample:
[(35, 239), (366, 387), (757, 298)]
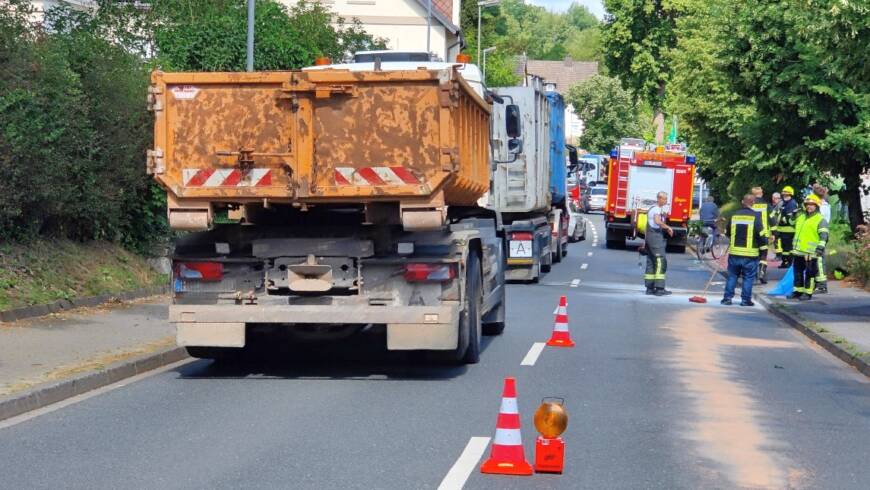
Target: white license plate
[(521, 248)]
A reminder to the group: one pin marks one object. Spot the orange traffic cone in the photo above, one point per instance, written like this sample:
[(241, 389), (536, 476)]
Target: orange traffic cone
[(561, 336), (507, 456)]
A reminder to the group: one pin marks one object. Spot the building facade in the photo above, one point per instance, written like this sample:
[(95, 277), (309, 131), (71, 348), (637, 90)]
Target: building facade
[(403, 22)]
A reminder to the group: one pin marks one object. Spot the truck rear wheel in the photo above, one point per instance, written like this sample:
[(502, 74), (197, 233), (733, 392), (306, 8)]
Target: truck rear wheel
[(221, 354), (470, 325)]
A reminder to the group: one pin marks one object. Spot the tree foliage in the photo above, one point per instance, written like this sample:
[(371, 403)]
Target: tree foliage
[(73, 124), (211, 35), (608, 112), (517, 28), (774, 93), (636, 37)]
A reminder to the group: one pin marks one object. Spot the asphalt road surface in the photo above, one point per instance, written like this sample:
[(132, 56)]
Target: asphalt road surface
[(661, 392)]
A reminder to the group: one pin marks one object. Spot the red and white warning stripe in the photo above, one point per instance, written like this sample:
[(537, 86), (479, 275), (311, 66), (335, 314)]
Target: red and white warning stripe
[(226, 177), (366, 176)]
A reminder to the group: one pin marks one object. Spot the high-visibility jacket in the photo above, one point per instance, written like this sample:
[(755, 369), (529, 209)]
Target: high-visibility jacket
[(747, 233), (811, 233), (763, 210), (787, 217), (773, 219)]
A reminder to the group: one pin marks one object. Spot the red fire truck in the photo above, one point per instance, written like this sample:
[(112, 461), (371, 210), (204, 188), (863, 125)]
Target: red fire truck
[(637, 172)]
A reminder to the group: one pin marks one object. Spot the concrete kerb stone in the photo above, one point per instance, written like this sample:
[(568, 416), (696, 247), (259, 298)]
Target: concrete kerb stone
[(43, 396), (68, 304), (862, 364)]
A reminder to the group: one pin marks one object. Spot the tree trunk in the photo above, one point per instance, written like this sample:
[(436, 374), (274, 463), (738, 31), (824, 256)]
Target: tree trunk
[(852, 195), (659, 116)]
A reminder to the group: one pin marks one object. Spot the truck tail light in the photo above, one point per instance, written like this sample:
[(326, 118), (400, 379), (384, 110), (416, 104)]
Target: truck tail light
[(521, 235), (430, 272), (199, 271)]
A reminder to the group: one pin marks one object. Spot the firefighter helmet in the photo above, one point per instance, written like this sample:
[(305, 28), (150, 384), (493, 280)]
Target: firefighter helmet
[(813, 199), (788, 190)]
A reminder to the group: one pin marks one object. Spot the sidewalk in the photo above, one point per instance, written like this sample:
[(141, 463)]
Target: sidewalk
[(839, 320), (46, 352)]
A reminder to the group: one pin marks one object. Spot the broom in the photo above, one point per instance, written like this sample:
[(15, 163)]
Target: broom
[(702, 299)]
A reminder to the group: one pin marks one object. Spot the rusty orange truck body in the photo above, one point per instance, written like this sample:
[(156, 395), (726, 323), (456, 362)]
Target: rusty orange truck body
[(327, 201), (415, 137)]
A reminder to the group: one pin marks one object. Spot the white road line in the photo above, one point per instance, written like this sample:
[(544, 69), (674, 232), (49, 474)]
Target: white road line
[(84, 396), (584, 266), (589, 254), (575, 283), (535, 352), (462, 468)]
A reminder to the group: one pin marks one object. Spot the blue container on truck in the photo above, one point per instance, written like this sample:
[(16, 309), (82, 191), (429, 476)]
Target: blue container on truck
[(558, 165)]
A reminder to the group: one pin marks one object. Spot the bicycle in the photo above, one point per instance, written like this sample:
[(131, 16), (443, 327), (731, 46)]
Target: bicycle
[(714, 243)]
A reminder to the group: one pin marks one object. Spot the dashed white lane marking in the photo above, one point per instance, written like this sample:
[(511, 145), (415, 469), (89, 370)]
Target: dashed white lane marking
[(84, 396), (584, 266), (575, 283), (462, 468), (589, 254), (533, 354)]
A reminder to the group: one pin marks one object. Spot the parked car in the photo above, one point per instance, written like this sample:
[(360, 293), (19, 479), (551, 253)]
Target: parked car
[(597, 197), (576, 223)]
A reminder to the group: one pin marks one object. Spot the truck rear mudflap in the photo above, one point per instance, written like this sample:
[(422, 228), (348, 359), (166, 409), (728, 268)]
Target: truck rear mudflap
[(408, 327)]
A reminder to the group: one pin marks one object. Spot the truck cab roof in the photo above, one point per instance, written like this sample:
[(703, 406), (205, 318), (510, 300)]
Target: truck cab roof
[(406, 60)]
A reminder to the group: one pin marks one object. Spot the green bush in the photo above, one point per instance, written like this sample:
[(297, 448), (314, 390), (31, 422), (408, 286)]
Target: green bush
[(74, 128), (858, 258)]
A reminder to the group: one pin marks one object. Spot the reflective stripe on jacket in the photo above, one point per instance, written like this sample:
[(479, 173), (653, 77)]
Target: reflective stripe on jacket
[(747, 233), (811, 232)]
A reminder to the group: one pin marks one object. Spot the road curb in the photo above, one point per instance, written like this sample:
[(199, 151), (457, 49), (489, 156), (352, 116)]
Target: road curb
[(42, 396), (862, 364), (69, 304), (859, 363)]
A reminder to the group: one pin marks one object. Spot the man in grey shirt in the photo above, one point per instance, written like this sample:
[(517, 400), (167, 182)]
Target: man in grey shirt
[(656, 243)]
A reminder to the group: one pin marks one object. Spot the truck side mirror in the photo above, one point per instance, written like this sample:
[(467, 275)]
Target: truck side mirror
[(512, 121), (515, 146), (572, 156)]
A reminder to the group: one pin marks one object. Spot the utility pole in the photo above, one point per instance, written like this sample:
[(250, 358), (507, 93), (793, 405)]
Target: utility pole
[(250, 43), (428, 27), (480, 5)]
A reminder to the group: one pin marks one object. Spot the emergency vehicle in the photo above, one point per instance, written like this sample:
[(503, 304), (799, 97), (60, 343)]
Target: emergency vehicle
[(637, 172)]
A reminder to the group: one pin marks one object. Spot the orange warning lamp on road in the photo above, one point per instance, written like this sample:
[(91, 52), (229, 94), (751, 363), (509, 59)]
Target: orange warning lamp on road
[(551, 420)]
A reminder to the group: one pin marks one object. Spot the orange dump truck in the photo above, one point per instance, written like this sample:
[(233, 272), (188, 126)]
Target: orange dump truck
[(330, 201)]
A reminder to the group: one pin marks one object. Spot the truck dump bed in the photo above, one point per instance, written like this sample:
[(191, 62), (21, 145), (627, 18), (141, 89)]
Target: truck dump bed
[(327, 136)]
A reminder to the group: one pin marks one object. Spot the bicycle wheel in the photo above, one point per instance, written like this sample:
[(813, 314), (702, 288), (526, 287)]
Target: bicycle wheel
[(700, 248), (720, 245)]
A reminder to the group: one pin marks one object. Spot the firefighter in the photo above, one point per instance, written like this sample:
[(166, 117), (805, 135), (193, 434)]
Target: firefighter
[(825, 209), (785, 225), (763, 209), (748, 235), (656, 243), (773, 221), (810, 238)]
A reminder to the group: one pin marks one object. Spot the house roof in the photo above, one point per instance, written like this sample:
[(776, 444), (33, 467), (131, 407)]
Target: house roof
[(442, 11), (564, 73)]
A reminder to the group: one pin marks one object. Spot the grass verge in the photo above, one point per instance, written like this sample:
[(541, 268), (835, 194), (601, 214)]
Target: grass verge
[(44, 271)]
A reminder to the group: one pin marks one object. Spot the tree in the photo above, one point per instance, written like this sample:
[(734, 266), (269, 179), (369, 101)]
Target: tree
[(636, 37), (775, 93), (607, 110), (210, 35)]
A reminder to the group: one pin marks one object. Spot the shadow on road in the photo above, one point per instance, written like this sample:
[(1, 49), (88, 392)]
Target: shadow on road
[(363, 357)]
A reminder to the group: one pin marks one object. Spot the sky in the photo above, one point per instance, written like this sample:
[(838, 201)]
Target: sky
[(594, 6)]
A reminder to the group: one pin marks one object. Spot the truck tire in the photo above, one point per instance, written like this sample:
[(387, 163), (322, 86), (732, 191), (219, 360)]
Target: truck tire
[(470, 326), (470, 323), (558, 253), (220, 354), (675, 249)]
